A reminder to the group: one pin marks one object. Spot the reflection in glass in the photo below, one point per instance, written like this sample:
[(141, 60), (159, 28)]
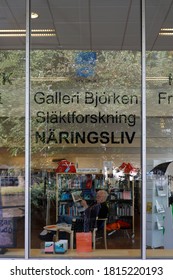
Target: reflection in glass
[(12, 185)]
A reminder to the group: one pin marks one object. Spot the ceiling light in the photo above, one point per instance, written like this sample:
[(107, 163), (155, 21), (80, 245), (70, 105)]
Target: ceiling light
[(169, 79), (22, 33), (43, 34), (49, 79), (43, 30), (157, 78), (11, 30), (166, 29), (13, 35), (166, 32), (33, 35), (24, 30), (34, 15)]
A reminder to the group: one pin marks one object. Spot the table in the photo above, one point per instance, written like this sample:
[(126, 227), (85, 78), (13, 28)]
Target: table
[(61, 227)]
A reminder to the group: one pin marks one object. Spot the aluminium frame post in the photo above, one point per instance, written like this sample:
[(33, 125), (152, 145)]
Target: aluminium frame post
[(143, 136), (27, 132)]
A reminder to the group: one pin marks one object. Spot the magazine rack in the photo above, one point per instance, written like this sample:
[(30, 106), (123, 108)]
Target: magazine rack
[(157, 202)]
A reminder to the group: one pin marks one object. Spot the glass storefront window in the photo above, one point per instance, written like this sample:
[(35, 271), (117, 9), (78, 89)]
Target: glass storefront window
[(81, 74), (12, 124), (86, 114), (85, 66), (159, 132)]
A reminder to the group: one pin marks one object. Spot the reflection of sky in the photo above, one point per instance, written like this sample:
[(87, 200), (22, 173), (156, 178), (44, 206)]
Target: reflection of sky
[(85, 62), (85, 72), (87, 58)]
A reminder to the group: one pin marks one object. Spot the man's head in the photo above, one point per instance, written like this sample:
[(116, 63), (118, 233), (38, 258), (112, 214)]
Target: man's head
[(101, 196)]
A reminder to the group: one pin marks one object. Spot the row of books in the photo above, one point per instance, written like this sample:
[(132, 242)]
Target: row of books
[(82, 183), (123, 210), (65, 209), (121, 195)]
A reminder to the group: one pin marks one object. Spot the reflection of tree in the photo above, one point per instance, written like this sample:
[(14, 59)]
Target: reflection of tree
[(118, 72), (12, 134)]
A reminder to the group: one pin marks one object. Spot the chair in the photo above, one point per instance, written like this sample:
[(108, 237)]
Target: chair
[(101, 229), (98, 217)]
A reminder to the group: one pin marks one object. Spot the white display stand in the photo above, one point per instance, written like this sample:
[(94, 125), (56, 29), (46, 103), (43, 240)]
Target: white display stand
[(157, 203), (168, 229)]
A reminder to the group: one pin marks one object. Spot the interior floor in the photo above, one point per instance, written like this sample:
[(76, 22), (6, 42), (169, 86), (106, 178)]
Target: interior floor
[(119, 239)]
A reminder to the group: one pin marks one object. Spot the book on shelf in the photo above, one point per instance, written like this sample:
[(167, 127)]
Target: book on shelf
[(126, 195)]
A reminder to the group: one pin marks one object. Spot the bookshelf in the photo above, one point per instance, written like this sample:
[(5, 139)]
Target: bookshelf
[(121, 203), (82, 184), (120, 200)]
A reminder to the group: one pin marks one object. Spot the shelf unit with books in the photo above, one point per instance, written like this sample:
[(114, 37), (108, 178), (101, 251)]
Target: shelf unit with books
[(120, 200), (157, 202), (82, 184), (121, 204)]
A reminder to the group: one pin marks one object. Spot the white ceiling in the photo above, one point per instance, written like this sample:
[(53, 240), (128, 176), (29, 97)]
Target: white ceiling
[(90, 24)]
